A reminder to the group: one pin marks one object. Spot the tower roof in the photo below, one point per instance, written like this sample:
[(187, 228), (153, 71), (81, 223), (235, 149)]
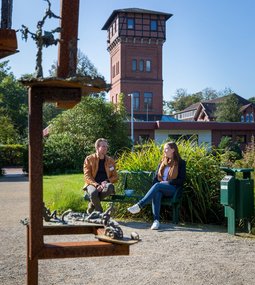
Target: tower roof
[(135, 11)]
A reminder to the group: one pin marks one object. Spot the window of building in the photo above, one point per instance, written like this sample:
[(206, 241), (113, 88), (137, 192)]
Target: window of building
[(117, 67), (141, 65), (176, 137), (130, 23), (147, 103), (136, 101), (134, 64), (242, 118), (251, 118), (241, 138), (148, 65), (113, 71), (247, 118), (154, 25), (114, 27), (143, 138)]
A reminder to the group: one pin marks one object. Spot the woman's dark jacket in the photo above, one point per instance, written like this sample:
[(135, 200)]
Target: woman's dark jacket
[(179, 181)]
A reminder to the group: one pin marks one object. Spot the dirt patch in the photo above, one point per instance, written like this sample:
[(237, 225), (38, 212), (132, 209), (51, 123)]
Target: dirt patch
[(172, 255)]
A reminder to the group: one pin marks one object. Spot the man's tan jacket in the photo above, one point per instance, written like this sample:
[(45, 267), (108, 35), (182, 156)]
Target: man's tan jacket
[(90, 169)]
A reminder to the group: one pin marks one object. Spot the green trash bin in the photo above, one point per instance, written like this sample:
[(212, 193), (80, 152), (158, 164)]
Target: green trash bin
[(237, 196)]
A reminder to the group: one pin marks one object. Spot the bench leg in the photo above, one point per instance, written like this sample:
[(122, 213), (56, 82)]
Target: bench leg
[(176, 209)]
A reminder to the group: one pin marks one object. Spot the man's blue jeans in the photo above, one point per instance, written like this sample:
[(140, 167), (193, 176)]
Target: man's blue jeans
[(155, 194)]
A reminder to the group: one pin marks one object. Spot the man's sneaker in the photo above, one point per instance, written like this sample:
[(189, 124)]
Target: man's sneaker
[(155, 225), (134, 209)]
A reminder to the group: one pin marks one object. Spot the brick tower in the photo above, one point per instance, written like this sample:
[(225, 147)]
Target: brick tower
[(135, 41)]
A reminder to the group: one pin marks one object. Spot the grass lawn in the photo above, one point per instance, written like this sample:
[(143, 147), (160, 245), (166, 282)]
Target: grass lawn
[(62, 192)]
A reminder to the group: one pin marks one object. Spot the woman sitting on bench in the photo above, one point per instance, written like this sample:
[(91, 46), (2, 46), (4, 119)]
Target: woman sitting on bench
[(170, 175)]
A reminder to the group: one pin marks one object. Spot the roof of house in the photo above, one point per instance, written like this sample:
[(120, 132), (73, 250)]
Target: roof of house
[(135, 11), (209, 106)]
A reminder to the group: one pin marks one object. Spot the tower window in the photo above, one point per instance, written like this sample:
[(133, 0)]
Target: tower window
[(136, 101), (113, 71), (148, 65), (141, 65), (154, 25), (130, 23), (134, 64), (147, 100), (118, 68)]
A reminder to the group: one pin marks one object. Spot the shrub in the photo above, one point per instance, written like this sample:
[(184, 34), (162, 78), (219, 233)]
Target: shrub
[(201, 189), (11, 155)]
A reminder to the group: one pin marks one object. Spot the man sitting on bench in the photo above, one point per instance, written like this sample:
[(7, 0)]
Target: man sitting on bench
[(99, 175)]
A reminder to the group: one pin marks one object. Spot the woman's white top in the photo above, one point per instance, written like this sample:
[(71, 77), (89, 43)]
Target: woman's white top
[(166, 170)]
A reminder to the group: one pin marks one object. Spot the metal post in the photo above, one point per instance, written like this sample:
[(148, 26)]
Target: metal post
[(132, 119), (147, 112)]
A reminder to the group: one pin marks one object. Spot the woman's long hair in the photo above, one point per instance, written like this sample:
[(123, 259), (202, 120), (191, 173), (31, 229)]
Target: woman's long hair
[(177, 156)]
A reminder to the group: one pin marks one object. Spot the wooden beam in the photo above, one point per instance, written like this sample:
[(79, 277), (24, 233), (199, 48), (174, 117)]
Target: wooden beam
[(81, 249), (72, 229), (35, 228)]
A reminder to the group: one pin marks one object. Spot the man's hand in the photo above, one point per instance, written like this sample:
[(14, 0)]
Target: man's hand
[(101, 186)]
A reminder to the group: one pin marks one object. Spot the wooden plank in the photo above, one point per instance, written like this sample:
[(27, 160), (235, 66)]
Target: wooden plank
[(81, 249), (72, 229), (124, 240)]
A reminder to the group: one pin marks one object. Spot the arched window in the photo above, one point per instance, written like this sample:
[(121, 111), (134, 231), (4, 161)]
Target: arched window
[(134, 65), (251, 118), (247, 118), (141, 65), (242, 118)]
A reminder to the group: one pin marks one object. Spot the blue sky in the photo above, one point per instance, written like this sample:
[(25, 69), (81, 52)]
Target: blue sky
[(209, 43)]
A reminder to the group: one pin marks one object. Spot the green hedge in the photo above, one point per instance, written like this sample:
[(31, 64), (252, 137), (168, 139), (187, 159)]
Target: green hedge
[(12, 155)]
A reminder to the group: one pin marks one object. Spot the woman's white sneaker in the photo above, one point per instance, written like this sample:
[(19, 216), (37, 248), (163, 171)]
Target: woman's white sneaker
[(155, 225), (134, 209)]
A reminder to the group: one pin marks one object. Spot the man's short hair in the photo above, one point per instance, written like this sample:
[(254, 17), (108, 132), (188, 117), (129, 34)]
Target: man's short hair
[(98, 141)]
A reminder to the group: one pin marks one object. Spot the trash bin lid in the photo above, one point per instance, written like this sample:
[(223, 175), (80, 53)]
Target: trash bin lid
[(234, 170)]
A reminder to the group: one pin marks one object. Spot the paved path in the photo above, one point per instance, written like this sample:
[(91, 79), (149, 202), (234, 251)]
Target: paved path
[(173, 255)]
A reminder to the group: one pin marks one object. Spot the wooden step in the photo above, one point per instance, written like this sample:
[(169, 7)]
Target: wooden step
[(81, 249)]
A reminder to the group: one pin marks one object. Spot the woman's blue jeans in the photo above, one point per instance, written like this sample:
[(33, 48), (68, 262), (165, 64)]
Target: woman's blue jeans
[(155, 194)]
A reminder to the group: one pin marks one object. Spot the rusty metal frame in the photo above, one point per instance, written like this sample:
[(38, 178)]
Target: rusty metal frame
[(36, 248)]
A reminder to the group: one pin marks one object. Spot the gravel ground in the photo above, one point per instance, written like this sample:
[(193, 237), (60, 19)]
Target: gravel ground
[(173, 255)]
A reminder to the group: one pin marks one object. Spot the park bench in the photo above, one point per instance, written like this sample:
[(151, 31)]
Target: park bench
[(174, 202)]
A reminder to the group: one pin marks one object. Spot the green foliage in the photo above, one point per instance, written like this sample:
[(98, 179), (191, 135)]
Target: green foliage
[(8, 133), (182, 99), (84, 67), (74, 132), (50, 111), (201, 189), (13, 103), (145, 157), (248, 160), (230, 151), (228, 110), (11, 154), (63, 153), (63, 192)]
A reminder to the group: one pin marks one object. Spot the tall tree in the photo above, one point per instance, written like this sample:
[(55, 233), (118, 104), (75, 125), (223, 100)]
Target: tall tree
[(228, 110), (182, 100), (74, 132), (252, 100), (84, 68), (13, 100)]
